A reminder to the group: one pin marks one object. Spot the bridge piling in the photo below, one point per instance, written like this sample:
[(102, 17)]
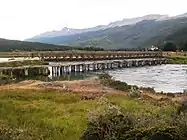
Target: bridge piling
[(77, 68), (94, 67), (102, 61), (72, 68)]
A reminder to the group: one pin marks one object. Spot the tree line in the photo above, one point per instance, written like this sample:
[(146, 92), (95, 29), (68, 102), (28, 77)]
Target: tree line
[(172, 46)]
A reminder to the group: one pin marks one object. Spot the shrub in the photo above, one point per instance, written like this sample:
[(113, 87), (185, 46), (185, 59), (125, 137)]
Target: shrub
[(182, 107), (107, 80), (109, 124), (181, 122), (149, 89), (5, 77), (170, 46), (134, 92), (104, 76), (115, 124), (11, 133)]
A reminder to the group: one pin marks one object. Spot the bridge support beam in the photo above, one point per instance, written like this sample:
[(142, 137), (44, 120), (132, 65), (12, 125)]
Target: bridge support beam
[(103, 65), (94, 67), (77, 68), (61, 70), (72, 68)]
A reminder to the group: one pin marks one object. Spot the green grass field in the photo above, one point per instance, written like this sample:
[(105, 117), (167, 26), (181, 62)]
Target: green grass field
[(178, 60), (59, 116), (22, 63)]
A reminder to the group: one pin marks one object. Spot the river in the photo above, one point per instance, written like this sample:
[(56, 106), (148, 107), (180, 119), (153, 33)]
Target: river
[(166, 78)]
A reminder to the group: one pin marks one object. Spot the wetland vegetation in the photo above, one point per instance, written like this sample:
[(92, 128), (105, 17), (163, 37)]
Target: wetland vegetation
[(23, 63), (50, 114), (177, 60)]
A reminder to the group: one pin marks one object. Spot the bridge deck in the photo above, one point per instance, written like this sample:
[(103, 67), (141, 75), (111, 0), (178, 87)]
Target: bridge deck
[(78, 54), (100, 61)]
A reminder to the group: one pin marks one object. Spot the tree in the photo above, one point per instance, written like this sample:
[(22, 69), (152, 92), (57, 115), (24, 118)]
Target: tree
[(170, 46), (184, 47)]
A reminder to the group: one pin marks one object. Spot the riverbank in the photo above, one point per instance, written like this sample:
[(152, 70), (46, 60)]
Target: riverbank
[(177, 60), (92, 87), (23, 63), (60, 110)]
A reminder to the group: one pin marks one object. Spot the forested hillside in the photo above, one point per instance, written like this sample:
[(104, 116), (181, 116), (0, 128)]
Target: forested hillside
[(13, 45)]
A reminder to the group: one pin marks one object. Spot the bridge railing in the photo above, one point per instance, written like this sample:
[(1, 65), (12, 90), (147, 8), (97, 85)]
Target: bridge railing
[(75, 55), (99, 56)]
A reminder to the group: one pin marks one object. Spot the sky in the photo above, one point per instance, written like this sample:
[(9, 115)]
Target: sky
[(21, 19)]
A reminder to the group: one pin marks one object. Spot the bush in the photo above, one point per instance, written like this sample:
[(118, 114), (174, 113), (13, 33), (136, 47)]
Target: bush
[(107, 80), (149, 89), (108, 127), (115, 124), (11, 133), (182, 107), (170, 46), (134, 92), (105, 76), (5, 77), (110, 124)]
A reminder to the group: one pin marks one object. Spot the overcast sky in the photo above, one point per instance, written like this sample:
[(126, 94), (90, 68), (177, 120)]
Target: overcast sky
[(20, 19)]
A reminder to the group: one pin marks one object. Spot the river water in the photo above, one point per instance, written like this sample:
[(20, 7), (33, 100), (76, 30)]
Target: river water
[(166, 78)]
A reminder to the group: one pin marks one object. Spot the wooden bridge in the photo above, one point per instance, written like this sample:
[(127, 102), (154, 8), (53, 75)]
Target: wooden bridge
[(82, 55), (78, 61), (94, 61), (82, 66), (92, 56)]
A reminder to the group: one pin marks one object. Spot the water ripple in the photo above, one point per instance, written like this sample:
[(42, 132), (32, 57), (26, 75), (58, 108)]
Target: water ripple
[(166, 78)]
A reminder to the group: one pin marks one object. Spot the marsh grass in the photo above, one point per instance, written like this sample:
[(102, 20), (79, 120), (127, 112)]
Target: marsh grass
[(23, 63), (177, 60), (51, 115)]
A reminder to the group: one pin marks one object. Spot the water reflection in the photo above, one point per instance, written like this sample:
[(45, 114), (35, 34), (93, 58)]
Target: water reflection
[(69, 77)]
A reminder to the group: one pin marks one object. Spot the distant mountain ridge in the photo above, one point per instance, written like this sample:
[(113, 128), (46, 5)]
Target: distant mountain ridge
[(128, 33), (70, 31), (136, 20)]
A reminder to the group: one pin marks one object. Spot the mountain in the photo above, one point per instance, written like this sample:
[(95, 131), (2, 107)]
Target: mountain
[(70, 31), (179, 36), (64, 32), (14, 45), (128, 33), (143, 34), (136, 20), (180, 16)]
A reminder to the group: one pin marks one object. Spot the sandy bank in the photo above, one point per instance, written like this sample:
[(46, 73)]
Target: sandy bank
[(86, 87)]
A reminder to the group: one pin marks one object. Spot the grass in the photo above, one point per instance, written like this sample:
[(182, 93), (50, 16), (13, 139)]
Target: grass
[(177, 60), (49, 115), (22, 63), (4, 77), (59, 116)]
